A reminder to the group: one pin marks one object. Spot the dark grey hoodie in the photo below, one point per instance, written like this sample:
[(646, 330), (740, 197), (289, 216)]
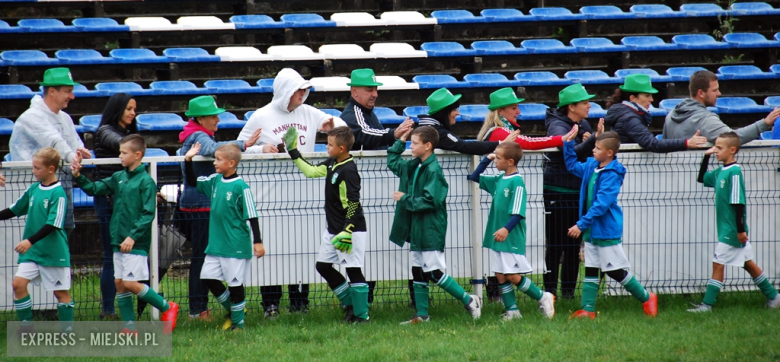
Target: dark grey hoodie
[(690, 116)]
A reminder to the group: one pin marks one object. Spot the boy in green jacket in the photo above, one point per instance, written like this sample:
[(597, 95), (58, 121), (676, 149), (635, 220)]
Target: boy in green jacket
[(135, 204), (421, 219)]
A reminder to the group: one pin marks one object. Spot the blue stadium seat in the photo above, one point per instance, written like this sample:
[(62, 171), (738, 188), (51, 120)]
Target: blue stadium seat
[(749, 40), (777, 36), (44, 26), (682, 74), (532, 111), (228, 120), (753, 8), (231, 86), (307, 21), (698, 41), (457, 17), (6, 126), (772, 101), (659, 136), (136, 56), (658, 112), (766, 135), (596, 45), (591, 77), (493, 80), (702, 9), (473, 113), (447, 49), (81, 199), (266, 84), (546, 46), (131, 88), (669, 104), (596, 111), (540, 79), (647, 43), (496, 47), (15, 91), (27, 58), (98, 24), (332, 112), (388, 116), (747, 72), (7, 157), (256, 22), (81, 91), (5, 28), (656, 11), (654, 76), (414, 111), (90, 123), (555, 14), (506, 15), (775, 69), (177, 87), (439, 81), (319, 147), (248, 115), (156, 122), (82, 56), (156, 152), (605, 12), (740, 105), (186, 55)]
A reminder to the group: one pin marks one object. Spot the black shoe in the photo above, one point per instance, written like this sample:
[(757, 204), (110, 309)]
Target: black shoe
[(272, 312), (349, 314)]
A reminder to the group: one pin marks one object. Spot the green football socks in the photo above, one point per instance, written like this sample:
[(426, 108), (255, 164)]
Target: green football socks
[(342, 292), (713, 288), (237, 314), (636, 289), (508, 296), (530, 289), (762, 282), (24, 309), (359, 292), (452, 287), (65, 312), (590, 287), (150, 296), (224, 299), (125, 302), (421, 298)]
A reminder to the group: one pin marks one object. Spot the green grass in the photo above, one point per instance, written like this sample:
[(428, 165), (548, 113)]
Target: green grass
[(739, 328)]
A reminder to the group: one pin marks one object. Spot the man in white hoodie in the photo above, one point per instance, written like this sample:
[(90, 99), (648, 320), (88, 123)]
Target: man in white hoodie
[(287, 110), (45, 124)]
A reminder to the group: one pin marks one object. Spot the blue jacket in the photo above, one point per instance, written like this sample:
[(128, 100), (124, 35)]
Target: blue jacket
[(191, 199), (605, 217)]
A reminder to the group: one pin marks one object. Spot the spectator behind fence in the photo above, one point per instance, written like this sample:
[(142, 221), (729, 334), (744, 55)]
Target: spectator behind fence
[(45, 124), (195, 206), (560, 190), (691, 115), (286, 110), (360, 117), (628, 114), (501, 123)]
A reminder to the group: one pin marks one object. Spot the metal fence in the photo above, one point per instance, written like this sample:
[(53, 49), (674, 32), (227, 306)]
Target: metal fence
[(669, 227)]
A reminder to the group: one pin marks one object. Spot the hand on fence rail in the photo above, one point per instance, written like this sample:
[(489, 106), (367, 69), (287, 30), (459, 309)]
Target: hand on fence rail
[(75, 166)]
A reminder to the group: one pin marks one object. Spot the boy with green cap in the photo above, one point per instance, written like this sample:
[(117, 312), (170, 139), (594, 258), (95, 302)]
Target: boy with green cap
[(421, 219), (135, 206), (344, 240), (359, 114)]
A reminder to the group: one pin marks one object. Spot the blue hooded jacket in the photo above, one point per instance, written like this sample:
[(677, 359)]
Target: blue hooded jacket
[(605, 217)]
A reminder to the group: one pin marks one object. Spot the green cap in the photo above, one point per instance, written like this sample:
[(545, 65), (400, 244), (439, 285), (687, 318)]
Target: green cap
[(56, 77), (441, 99), (638, 83), (203, 106), (502, 98), (573, 94), (363, 78)]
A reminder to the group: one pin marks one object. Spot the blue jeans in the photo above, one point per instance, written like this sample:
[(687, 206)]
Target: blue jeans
[(104, 208)]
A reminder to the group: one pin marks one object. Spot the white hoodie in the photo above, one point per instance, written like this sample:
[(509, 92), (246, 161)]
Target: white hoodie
[(39, 127), (275, 119)]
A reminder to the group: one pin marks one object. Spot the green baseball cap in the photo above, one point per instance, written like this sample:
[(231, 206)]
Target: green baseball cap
[(441, 99), (573, 94), (203, 106), (56, 77), (638, 83), (502, 98), (363, 78)]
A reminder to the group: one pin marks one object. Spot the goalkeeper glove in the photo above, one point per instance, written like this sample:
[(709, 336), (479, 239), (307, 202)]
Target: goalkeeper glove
[(290, 139), (343, 240)]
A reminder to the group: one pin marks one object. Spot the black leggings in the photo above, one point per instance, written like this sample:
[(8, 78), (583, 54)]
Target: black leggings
[(561, 250), (216, 287)]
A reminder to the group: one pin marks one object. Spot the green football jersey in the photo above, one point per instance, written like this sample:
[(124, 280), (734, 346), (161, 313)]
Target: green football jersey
[(232, 204), (44, 205), (729, 189), (509, 198)]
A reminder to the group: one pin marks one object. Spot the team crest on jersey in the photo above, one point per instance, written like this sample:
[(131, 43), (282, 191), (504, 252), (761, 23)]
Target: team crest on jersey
[(722, 183), (229, 194), (506, 192), (334, 178), (45, 203), (31, 201)]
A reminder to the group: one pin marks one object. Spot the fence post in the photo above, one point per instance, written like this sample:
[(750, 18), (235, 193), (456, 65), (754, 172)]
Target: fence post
[(476, 233), (154, 263)]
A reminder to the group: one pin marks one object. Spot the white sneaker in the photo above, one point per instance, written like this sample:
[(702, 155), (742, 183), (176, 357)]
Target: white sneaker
[(418, 319), (511, 314), (774, 303), (547, 305), (701, 308), (475, 306)]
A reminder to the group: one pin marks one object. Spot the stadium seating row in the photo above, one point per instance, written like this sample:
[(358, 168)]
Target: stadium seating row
[(391, 18), (339, 84)]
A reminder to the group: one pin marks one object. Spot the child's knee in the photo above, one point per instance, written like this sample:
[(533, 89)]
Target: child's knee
[(19, 284), (62, 294)]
